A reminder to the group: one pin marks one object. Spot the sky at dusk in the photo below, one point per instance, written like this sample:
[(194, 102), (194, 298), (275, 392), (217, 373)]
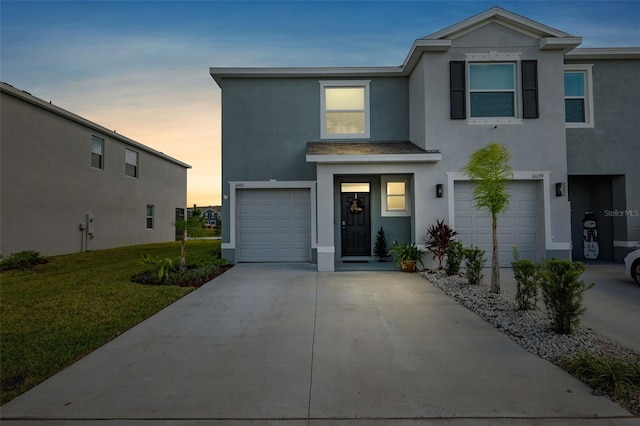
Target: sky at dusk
[(142, 67)]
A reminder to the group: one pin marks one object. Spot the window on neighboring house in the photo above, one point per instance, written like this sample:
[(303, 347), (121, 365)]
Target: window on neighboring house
[(150, 208), (131, 163), (97, 152), (395, 196), (344, 109), (577, 96), (494, 88)]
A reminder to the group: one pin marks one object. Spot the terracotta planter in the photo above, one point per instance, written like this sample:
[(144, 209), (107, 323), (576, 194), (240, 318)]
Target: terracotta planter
[(408, 265)]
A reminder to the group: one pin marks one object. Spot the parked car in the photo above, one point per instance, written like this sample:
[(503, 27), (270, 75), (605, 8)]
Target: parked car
[(632, 264)]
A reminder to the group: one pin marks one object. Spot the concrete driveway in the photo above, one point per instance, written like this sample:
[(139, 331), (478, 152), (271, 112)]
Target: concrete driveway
[(283, 344)]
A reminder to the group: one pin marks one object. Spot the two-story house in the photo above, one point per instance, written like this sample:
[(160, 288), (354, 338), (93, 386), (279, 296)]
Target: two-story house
[(69, 185), (211, 215), (316, 160)]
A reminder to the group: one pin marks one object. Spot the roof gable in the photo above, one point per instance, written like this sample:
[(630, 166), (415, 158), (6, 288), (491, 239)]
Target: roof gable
[(500, 16)]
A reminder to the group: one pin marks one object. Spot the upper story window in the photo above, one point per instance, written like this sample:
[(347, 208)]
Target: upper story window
[(494, 88), (97, 152), (578, 98), (131, 163), (344, 109)]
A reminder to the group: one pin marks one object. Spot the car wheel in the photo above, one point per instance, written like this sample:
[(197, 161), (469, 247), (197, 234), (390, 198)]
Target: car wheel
[(635, 271)]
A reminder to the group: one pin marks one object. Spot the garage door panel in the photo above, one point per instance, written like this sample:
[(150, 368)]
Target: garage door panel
[(507, 222), (273, 225), (516, 227)]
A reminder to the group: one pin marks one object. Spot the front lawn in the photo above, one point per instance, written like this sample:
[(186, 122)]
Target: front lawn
[(56, 313)]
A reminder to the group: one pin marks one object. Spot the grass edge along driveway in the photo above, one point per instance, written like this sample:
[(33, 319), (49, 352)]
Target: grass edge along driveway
[(56, 313)]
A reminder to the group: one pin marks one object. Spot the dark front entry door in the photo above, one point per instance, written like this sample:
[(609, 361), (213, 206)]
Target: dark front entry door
[(356, 229)]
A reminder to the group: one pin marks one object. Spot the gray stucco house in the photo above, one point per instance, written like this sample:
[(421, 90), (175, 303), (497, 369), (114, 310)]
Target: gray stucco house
[(316, 160), (69, 185)]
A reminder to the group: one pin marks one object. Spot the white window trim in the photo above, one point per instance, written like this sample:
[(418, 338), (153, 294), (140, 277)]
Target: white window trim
[(493, 56), (137, 165), (152, 217), (383, 195), (367, 111), (588, 94), (101, 151)]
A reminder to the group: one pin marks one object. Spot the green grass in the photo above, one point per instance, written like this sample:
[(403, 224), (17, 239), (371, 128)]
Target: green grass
[(56, 313)]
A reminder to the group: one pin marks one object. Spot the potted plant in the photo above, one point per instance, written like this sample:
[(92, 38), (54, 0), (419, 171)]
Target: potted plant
[(407, 255)]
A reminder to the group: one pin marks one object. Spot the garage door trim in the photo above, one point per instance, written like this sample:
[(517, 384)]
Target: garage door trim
[(543, 176), (235, 186)]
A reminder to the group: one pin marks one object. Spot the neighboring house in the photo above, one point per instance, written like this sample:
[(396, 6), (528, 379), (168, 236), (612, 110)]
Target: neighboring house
[(603, 147), (316, 160), (211, 214), (70, 185)]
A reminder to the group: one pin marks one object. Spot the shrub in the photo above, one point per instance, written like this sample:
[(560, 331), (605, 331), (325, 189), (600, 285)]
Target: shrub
[(194, 275), (475, 261), (562, 293), (437, 238), (613, 376), (21, 260), (405, 252), (455, 254), (526, 274), (381, 249)]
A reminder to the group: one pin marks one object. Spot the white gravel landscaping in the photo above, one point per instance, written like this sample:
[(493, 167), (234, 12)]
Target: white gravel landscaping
[(531, 329)]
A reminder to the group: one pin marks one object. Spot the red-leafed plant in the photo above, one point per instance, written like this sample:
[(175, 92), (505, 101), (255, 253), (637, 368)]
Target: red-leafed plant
[(437, 239)]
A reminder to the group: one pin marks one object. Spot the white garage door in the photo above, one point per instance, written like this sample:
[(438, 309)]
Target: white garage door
[(274, 225), (516, 227)]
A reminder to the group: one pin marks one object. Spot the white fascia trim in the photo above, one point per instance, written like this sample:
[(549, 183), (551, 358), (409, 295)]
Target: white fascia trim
[(559, 43), (452, 177), (419, 47), (234, 186), (590, 53), (497, 14), (391, 158)]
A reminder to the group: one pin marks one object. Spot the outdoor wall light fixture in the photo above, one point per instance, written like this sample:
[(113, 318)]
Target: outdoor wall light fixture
[(439, 190), (559, 189)]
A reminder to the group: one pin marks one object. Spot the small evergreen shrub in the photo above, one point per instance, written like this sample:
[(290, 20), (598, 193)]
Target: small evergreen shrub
[(526, 274), (475, 261), (381, 249), (21, 260), (562, 293), (455, 255)]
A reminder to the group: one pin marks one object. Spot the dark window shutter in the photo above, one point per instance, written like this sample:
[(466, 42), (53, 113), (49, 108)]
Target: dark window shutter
[(530, 89), (457, 87)]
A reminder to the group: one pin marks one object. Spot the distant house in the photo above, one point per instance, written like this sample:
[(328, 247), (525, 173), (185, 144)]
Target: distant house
[(314, 159), (211, 214), (70, 185)]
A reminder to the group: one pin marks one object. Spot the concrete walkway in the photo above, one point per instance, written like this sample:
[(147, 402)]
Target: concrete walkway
[(283, 344)]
